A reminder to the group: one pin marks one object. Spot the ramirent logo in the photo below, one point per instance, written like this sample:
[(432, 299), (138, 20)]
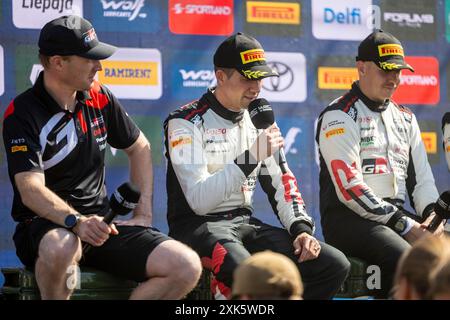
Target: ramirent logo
[(202, 9), (418, 80), (59, 5), (123, 9), (200, 78), (129, 73)]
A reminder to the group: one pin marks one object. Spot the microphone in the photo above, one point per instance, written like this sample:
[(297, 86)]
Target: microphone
[(122, 201), (442, 210), (262, 116)]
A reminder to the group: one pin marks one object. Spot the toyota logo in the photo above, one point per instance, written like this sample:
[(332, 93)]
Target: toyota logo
[(281, 83)]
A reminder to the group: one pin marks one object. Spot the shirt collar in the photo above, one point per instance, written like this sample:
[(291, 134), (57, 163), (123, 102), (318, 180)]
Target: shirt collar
[(218, 108), (48, 101), (372, 105)]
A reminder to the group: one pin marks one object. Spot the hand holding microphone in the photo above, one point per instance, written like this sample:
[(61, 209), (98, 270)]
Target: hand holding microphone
[(262, 116), (122, 201), (442, 210)]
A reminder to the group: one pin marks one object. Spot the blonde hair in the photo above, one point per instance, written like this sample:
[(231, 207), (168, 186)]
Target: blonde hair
[(418, 263)]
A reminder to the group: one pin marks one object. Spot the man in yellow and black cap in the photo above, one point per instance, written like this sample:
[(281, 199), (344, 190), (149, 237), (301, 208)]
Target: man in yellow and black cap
[(372, 158), (215, 157), (267, 275)]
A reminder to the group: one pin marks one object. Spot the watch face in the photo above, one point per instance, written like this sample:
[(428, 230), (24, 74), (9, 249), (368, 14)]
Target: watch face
[(400, 225), (71, 221)]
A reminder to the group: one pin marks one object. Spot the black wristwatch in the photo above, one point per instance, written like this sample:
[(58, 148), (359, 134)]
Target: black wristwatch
[(71, 220), (400, 225)]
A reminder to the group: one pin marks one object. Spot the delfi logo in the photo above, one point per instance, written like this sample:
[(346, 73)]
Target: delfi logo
[(192, 17), (30, 14), (273, 12), (341, 20), (348, 16), (336, 77), (132, 73)]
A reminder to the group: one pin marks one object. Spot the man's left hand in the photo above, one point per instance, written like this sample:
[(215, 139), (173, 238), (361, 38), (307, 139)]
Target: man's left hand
[(439, 230), (306, 247), (142, 221)]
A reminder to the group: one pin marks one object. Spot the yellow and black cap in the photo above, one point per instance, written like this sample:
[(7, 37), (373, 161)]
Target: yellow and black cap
[(384, 50), (245, 54)]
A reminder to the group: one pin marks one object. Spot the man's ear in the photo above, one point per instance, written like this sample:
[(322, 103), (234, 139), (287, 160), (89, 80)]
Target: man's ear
[(220, 76), (56, 62), (361, 67)]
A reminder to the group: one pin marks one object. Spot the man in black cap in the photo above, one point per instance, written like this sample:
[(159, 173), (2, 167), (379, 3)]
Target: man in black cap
[(371, 158), (215, 156), (55, 136)]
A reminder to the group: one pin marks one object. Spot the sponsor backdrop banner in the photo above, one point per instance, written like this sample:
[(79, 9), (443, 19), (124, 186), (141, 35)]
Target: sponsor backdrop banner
[(165, 60)]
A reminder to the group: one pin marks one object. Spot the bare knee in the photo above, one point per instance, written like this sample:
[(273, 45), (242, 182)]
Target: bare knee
[(177, 262), (59, 248), (190, 268)]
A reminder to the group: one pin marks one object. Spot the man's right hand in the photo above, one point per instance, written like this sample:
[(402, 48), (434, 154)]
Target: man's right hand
[(416, 232), (93, 230), (267, 143)]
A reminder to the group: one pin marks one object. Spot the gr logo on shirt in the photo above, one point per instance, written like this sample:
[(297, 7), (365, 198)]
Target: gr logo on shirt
[(374, 166)]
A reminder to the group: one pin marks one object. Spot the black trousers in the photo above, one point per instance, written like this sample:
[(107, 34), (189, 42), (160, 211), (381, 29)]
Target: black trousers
[(223, 243), (371, 241)]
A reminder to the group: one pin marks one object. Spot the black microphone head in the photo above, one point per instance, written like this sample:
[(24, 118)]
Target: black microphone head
[(125, 198), (261, 113), (442, 206)]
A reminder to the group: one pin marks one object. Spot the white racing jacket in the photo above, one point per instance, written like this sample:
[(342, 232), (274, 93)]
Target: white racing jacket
[(372, 156), (211, 172), (446, 137)]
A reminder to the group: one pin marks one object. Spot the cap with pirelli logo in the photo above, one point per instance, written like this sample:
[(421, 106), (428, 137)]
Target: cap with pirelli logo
[(245, 54), (384, 50)]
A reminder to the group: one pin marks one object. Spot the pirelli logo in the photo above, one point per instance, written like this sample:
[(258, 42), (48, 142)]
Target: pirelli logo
[(390, 50), (137, 73), (19, 148), (273, 12), (252, 56), (334, 132), (180, 141), (430, 141), (336, 78)]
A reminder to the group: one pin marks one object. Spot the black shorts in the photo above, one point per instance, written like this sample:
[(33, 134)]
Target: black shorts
[(124, 255)]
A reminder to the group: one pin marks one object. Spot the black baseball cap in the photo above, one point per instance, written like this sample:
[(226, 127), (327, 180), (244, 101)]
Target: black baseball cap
[(72, 35), (384, 49), (245, 54)]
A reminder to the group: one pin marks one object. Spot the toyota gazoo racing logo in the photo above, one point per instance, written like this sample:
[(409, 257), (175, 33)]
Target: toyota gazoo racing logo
[(202, 9), (374, 166), (123, 9), (283, 81), (198, 78)]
